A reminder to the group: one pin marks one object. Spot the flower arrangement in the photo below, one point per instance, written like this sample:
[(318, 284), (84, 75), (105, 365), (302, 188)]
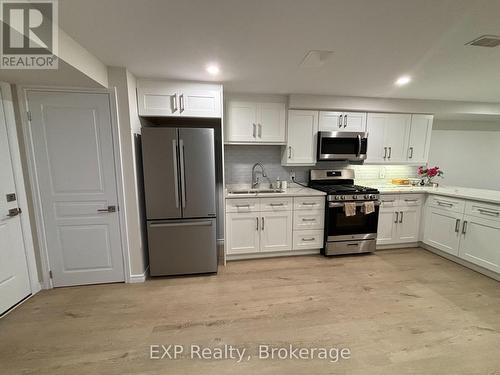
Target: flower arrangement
[(429, 173)]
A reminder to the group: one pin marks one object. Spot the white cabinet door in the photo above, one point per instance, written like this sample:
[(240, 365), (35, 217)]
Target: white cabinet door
[(396, 132), (408, 224), (271, 124), (302, 133), (386, 232), (375, 127), (442, 230), (200, 103), (354, 121), (330, 121), (276, 231), (241, 124), (479, 243), (387, 137), (153, 100), (242, 233), (420, 138)]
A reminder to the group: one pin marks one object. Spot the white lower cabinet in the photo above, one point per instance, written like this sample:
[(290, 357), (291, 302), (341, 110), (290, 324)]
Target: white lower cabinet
[(399, 219), (276, 231), (466, 229), (442, 229), (480, 242), (242, 233), (266, 225)]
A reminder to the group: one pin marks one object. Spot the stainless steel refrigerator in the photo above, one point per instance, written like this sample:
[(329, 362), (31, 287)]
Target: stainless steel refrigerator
[(179, 187)]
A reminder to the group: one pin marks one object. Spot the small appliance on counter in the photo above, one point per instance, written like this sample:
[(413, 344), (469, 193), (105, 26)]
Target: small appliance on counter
[(179, 186), (351, 217)]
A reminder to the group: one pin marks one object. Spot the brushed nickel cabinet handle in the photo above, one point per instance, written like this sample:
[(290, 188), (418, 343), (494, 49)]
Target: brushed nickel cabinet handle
[(401, 217), (385, 152), (181, 101), (457, 226), (464, 228), (488, 212), (289, 152), (345, 121), (397, 216), (411, 153), (257, 227), (254, 130), (262, 224), (174, 103), (308, 239), (390, 152), (260, 130), (340, 121)]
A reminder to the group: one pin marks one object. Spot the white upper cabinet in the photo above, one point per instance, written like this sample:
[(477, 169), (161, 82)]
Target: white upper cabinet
[(387, 137), (420, 138), (254, 122), (301, 141), (187, 99), (342, 121)]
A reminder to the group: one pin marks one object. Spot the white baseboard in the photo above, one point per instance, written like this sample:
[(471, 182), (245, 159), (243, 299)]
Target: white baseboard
[(290, 253), (140, 278), (397, 246)]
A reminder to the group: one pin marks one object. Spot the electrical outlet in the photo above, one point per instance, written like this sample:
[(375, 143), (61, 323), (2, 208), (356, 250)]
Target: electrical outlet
[(381, 172), (292, 175)]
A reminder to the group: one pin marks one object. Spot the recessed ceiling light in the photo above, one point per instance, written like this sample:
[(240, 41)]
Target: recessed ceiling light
[(213, 69), (403, 80)]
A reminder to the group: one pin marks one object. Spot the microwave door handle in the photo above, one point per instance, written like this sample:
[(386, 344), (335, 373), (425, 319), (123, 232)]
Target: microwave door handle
[(359, 146)]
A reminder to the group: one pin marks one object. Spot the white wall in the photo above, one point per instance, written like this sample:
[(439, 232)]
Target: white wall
[(467, 152)]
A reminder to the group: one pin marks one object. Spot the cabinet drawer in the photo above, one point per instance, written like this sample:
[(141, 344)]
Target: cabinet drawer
[(308, 239), (243, 205), (305, 219), (447, 203), (276, 204), (309, 203), (484, 210), (387, 201), (410, 200)]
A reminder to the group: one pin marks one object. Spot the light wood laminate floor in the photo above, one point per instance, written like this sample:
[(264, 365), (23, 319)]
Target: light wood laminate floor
[(399, 312)]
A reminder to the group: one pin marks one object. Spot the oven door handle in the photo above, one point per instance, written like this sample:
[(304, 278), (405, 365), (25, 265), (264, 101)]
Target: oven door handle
[(358, 204)]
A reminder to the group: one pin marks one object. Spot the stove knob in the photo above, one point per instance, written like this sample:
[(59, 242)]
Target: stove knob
[(373, 196), (354, 197), (337, 197), (342, 197), (367, 196)]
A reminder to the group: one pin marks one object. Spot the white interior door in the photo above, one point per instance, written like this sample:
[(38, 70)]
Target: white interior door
[(14, 279), (73, 151)]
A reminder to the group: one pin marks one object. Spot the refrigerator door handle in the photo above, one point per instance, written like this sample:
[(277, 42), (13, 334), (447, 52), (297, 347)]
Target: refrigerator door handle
[(183, 224), (176, 175), (183, 173)]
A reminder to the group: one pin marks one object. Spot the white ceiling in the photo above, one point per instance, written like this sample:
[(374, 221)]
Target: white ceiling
[(259, 44)]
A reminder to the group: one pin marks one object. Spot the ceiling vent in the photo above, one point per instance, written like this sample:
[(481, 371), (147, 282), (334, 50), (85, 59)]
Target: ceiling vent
[(315, 58), (486, 41)]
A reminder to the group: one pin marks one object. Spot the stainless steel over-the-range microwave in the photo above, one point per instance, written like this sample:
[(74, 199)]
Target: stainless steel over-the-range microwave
[(350, 146)]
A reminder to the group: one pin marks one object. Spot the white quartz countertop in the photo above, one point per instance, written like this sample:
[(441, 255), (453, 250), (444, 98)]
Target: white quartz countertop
[(294, 190), (484, 195)]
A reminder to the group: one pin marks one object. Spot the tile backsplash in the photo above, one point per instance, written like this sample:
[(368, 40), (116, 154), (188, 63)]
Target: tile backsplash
[(239, 159)]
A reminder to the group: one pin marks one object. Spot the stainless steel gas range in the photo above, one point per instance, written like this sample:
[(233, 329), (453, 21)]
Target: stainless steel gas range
[(351, 216)]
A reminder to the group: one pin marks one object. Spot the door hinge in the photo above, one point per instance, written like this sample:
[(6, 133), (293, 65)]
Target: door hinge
[(50, 274), (29, 115)]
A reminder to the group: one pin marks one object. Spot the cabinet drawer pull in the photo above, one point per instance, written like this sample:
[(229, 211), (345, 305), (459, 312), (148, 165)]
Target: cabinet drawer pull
[(254, 130), (262, 224), (401, 217), (174, 100), (257, 220), (488, 212), (276, 204), (397, 216), (444, 204), (308, 204), (305, 219), (308, 239), (340, 121), (345, 121), (260, 130), (383, 201), (390, 152), (385, 152), (242, 205), (411, 200), (457, 226)]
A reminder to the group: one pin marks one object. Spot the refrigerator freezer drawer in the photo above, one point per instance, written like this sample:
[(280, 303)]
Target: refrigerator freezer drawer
[(182, 247)]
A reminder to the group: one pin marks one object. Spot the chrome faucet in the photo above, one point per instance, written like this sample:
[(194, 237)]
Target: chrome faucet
[(255, 179)]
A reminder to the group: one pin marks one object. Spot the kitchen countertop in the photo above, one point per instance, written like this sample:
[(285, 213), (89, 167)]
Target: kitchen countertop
[(483, 195), (293, 190)]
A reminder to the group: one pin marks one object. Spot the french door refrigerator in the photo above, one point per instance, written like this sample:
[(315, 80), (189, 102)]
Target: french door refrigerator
[(179, 187)]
